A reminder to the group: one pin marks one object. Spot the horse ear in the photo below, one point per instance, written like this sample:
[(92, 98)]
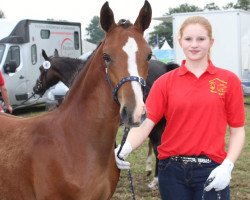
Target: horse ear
[(144, 18), (107, 20), (56, 54), (44, 55)]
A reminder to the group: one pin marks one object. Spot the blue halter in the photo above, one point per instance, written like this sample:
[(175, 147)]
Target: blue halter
[(122, 81)]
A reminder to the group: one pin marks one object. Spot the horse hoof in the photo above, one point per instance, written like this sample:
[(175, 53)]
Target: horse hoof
[(153, 185)]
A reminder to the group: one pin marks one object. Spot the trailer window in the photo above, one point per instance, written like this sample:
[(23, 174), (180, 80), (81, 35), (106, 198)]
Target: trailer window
[(45, 34), (2, 48), (33, 54), (13, 55), (76, 40)]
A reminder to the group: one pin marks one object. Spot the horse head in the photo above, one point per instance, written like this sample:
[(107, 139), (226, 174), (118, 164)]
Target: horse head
[(48, 76), (126, 56)]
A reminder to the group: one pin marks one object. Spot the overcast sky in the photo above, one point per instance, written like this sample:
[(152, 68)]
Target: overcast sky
[(83, 10)]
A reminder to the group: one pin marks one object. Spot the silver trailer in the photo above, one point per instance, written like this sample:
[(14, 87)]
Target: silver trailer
[(21, 45)]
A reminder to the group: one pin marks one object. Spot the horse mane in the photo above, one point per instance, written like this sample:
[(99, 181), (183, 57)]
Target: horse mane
[(67, 64), (82, 62), (124, 23), (73, 65), (171, 66)]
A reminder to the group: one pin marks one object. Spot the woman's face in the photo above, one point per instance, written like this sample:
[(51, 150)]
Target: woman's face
[(195, 42)]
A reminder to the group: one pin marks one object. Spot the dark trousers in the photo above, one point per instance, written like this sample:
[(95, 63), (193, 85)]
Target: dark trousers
[(185, 181)]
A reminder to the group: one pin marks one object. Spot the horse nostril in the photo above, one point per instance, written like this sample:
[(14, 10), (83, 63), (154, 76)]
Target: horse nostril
[(124, 113), (126, 116)]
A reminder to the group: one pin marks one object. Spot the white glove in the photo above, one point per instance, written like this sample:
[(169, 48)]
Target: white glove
[(221, 176), (126, 150)]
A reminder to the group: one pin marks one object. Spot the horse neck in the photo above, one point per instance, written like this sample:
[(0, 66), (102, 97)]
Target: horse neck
[(90, 97), (75, 68), (68, 73)]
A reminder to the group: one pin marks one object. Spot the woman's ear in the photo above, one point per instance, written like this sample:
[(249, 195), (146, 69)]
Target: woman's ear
[(179, 40), (211, 42)]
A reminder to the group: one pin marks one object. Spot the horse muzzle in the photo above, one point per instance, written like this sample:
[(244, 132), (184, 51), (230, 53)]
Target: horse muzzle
[(132, 118)]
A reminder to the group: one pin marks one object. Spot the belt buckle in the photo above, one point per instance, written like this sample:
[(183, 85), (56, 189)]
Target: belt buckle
[(185, 161), (176, 158)]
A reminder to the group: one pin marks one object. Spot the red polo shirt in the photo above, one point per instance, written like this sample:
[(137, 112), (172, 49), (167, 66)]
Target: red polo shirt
[(197, 111), (1, 79), (1, 84)]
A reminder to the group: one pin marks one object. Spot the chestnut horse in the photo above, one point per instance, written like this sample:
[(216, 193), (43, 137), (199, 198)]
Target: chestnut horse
[(68, 153), (65, 69)]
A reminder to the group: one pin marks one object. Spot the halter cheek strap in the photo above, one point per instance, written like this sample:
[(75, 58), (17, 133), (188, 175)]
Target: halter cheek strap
[(40, 82), (122, 81), (126, 79)]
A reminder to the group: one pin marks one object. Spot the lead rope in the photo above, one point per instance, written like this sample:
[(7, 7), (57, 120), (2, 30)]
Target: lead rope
[(218, 196), (33, 94), (124, 137)]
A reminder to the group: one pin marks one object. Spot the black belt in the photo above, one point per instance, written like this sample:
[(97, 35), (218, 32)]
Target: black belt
[(191, 159)]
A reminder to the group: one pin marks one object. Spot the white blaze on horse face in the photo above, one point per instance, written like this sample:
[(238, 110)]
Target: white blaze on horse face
[(131, 48)]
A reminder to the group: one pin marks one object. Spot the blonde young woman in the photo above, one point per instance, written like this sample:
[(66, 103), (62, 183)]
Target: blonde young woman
[(199, 102)]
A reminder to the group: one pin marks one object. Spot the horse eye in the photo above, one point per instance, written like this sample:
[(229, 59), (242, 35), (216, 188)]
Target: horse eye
[(149, 57), (106, 58)]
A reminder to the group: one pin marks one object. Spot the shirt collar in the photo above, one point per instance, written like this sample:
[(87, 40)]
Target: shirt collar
[(210, 69)]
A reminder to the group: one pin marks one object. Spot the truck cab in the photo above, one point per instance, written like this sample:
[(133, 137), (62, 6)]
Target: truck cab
[(21, 55), (14, 73)]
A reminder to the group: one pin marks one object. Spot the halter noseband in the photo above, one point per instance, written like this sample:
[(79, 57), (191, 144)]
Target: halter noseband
[(39, 83), (122, 81)]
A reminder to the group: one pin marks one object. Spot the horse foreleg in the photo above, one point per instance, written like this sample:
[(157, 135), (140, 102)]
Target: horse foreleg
[(149, 159), (154, 183)]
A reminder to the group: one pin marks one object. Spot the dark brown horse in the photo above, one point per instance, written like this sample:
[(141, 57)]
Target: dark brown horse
[(63, 69), (68, 153)]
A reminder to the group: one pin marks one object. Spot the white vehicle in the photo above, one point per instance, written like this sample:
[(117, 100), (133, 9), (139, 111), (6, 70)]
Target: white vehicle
[(56, 95), (231, 49), (21, 45)]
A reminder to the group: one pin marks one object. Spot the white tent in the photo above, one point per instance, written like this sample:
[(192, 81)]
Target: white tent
[(165, 53), (88, 46), (155, 48), (165, 46)]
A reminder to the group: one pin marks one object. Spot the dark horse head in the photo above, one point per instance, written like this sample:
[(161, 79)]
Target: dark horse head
[(55, 69)]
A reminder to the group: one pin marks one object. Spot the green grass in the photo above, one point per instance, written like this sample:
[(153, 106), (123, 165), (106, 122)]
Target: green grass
[(240, 187)]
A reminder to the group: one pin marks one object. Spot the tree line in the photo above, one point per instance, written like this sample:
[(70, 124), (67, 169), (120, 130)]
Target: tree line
[(163, 31)]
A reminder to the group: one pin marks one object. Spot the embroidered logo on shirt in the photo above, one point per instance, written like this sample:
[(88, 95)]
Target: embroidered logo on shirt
[(218, 86)]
